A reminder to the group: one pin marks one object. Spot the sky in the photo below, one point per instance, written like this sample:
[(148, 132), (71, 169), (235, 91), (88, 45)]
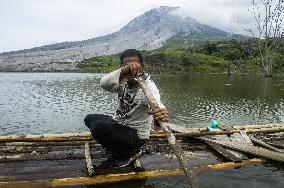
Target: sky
[(30, 23)]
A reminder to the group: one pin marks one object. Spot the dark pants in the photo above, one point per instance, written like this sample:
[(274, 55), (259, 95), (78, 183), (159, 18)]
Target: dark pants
[(120, 140)]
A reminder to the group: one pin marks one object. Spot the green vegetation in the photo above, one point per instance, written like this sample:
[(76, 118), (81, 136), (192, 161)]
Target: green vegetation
[(183, 60), (100, 64), (211, 56)]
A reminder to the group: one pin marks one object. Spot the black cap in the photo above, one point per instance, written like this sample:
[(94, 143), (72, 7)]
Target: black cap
[(131, 53)]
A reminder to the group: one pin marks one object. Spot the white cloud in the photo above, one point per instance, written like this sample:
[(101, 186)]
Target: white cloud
[(30, 23)]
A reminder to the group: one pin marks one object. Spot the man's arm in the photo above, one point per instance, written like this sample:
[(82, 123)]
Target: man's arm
[(160, 113), (155, 92), (111, 81)]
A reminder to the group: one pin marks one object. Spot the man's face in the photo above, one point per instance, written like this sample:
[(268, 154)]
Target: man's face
[(128, 60), (131, 79)]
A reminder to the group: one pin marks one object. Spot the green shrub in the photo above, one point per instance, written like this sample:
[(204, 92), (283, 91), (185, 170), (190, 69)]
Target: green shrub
[(100, 64)]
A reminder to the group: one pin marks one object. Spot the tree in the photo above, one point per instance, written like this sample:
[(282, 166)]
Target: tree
[(231, 53), (269, 32), (209, 47)]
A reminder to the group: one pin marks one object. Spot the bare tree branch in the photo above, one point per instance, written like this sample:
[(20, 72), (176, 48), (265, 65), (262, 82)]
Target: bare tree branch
[(269, 17)]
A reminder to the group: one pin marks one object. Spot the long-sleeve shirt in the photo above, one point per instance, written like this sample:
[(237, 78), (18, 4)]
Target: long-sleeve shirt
[(132, 104)]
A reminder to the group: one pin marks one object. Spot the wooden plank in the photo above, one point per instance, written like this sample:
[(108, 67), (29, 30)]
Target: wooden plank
[(230, 154), (227, 153), (247, 148), (46, 168)]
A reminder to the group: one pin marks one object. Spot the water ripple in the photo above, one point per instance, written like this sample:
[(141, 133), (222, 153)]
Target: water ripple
[(48, 102)]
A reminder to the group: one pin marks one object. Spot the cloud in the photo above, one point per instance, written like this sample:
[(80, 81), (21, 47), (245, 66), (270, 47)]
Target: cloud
[(229, 15), (30, 23)]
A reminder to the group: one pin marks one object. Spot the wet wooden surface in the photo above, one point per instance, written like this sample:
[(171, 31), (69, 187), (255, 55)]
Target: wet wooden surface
[(157, 156)]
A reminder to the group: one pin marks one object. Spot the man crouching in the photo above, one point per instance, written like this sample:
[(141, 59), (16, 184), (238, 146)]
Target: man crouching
[(124, 134)]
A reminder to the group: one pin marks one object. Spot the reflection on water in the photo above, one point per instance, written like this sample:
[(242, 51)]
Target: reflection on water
[(48, 102), (58, 102), (258, 176), (196, 99)]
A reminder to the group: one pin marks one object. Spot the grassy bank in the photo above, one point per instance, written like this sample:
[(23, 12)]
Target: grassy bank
[(172, 61), (100, 64)]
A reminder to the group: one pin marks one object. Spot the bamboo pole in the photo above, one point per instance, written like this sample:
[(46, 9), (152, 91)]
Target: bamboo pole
[(23, 157), (257, 141), (96, 180), (44, 144), (277, 144), (184, 130), (89, 162), (77, 138), (195, 134), (186, 165), (240, 127), (228, 165), (277, 134), (86, 136), (266, 130), (80, 138), (115, 178), (23, 149), (203, 133), (39, 156), (42, 149), (243, 127)]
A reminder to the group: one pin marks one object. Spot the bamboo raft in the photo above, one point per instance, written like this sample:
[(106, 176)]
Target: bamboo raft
[(54, 160)]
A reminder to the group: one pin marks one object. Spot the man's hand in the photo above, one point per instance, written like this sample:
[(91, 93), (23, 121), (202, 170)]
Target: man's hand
[(132, 69), (160, 114)]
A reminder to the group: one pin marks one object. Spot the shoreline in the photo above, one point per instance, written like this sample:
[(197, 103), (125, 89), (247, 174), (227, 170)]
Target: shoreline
[(157, 73)]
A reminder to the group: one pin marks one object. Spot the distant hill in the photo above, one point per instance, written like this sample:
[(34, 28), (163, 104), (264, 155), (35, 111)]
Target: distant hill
[(148, 31)]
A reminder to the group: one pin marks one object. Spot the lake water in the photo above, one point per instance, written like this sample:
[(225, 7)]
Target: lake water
[(34, 103)]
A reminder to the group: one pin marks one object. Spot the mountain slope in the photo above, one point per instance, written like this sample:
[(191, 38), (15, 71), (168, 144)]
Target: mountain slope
[(145, 32)]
